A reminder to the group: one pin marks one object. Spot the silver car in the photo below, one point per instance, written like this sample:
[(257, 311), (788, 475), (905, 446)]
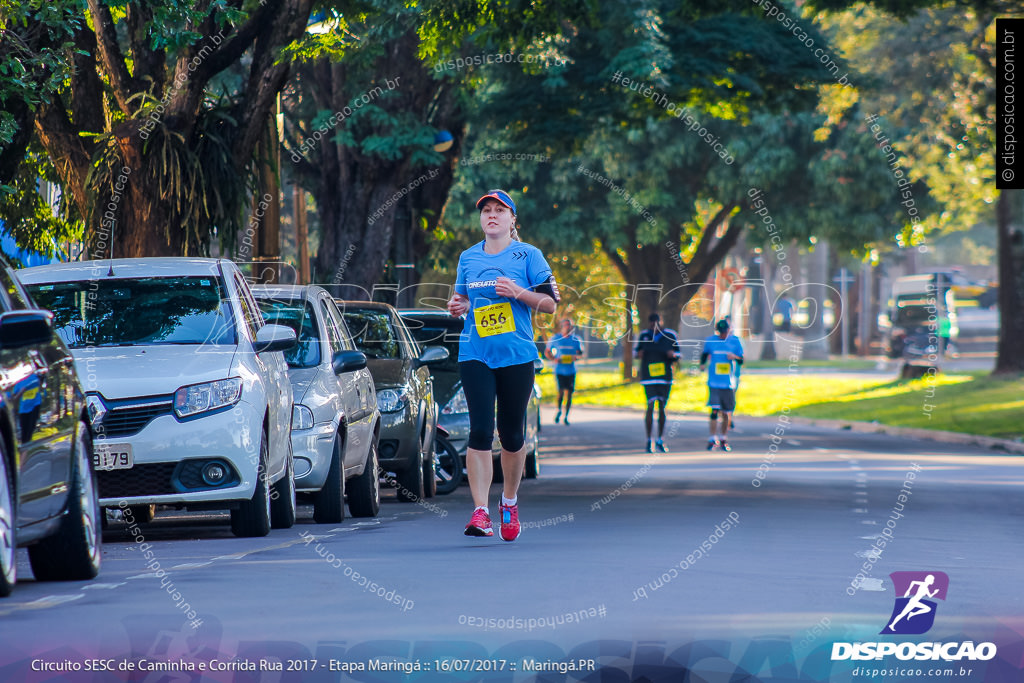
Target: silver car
[(335, 420)]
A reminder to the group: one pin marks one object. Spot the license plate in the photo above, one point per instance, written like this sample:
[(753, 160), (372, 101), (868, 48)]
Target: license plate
[(116, 456)]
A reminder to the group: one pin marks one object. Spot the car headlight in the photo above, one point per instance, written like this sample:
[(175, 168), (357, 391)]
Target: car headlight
[(392, 400), (457, 404), (202, 398), (302, 417)]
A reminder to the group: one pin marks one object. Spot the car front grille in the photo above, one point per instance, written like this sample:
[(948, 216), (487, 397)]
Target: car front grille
[(148, 479), (128, 420)]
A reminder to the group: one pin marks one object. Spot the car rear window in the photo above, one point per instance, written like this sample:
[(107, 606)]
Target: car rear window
[(428, 335), (299, 316), (139, 311), (372, 333)]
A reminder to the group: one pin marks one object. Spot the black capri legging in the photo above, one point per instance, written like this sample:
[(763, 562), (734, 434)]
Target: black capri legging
[(511, 386)]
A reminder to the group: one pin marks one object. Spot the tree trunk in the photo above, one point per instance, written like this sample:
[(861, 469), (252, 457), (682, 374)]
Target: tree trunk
[(1010, 351)]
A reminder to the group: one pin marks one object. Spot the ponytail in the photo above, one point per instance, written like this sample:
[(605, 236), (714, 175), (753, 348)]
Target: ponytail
[(515, 233)]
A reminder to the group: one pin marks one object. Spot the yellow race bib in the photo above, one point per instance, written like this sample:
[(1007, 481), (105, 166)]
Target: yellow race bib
[(723, 368), (566, 360), (656, 369), (494, 319)]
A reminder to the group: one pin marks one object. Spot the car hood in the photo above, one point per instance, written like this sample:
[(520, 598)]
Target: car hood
[(130, 371), (389, 372)]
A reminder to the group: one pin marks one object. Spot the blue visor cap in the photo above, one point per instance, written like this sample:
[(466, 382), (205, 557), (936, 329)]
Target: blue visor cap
[(501, 196)]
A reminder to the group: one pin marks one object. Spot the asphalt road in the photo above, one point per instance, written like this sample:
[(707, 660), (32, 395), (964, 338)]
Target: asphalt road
[(610, 571)]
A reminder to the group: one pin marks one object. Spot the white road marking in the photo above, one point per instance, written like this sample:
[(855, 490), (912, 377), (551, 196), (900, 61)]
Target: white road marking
[(99, 586), (52, 600)]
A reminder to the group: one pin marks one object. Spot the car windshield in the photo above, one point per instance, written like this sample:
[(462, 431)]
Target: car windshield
[(914, 315), (299, 316), (372, 333), (428, 335), (130, 312)]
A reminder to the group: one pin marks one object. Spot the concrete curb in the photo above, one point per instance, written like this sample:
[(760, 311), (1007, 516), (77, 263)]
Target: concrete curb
[(866, 427), (915, 433)]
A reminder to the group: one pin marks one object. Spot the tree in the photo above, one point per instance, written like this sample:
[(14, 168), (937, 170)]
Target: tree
[(639, 176), (949, 110), (364, 113), (154, 133)]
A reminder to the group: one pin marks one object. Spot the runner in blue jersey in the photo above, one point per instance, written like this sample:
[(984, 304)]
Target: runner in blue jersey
[(500, 280), (565, 349), (726, 355)]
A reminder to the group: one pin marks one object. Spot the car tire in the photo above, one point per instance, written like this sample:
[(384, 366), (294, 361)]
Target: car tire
[(8, 525), (532, 466), (282, 499), (364, 490), (252, 517), (329, 501), (410, 480), (429, 474), (74, 553), (449, 466)]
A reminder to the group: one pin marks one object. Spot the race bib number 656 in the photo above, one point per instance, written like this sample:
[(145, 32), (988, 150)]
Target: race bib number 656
[(494, 319)]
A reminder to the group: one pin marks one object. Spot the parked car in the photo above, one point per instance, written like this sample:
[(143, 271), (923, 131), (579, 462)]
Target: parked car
[(443, 328), (186, 386), (336, 423), (48, 496), (405, 394)]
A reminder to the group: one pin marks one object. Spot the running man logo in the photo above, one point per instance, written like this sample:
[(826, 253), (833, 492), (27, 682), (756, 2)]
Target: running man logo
[(914, 613)]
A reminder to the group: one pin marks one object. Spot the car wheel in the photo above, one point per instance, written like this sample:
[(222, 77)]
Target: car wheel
[(329, 502), (8, 542), (410, 480), (429, 474), (364, 490), (282, 499), (73, 553), (252, 517), (448, 466), (532, 466)]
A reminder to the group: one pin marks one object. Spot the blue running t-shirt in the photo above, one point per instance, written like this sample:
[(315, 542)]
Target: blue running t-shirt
[(722, 372), (566, 349), (498, 330)]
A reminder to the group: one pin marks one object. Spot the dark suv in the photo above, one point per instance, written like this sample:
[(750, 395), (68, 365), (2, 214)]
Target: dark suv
[(405, 394), (48, 498)]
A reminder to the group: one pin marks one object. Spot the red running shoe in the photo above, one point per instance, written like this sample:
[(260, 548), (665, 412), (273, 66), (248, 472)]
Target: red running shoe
[(509, 522), (479, 524)]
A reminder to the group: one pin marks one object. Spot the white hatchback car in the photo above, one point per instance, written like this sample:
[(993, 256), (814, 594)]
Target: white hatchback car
[(336, 423), (186, 386)]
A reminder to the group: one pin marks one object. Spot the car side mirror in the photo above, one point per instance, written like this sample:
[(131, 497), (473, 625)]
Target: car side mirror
[(274, 338), (432, 354), (24, 328), (347, 361)]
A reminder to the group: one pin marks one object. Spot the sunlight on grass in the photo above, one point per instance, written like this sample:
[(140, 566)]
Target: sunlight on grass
[(973, 403)]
